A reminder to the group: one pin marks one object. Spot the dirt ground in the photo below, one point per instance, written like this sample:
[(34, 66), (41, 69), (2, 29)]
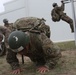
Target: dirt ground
[(66, 66)]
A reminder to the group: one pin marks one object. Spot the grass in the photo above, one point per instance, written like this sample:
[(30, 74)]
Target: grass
[(67, 45), (66, 66)]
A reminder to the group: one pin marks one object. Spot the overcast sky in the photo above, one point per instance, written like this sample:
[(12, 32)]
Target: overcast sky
[(1, 4)]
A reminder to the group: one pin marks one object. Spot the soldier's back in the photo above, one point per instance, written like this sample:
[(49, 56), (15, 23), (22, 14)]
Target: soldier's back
[(27, 22)]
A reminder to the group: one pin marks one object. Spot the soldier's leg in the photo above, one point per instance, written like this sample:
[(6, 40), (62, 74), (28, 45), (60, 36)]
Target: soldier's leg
[(68, 20)]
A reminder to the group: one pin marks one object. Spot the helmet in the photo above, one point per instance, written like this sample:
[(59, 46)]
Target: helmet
[(17, 40), (54, 4), (5, 20)]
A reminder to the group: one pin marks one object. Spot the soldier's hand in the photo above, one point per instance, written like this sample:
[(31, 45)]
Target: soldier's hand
[(42, 69), (62, 1), (17, 71)]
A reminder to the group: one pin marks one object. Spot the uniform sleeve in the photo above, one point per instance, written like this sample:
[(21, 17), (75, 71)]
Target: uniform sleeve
[(52, 52), (12, 59), (58, 8), (63, 6)]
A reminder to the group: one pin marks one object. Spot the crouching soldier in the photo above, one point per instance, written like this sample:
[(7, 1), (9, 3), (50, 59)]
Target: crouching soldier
[(37, 46)]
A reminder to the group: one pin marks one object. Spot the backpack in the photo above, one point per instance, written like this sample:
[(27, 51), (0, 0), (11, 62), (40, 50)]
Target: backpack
[(55, 16), (32, 24)]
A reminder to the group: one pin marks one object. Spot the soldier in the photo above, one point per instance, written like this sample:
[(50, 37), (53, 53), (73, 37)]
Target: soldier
[(58, 13), (34, 44), (1, 37), (7, 24), (2, 45), (4, 32)]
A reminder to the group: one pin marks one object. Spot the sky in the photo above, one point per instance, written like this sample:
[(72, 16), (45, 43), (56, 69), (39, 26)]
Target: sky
[(1, 4)]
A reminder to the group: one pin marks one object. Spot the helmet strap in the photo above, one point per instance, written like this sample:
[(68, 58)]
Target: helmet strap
[(25, 50)]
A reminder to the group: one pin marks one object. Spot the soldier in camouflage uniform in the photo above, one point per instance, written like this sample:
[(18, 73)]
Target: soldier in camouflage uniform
[(36, 45), (4, 32), (7, 24), (57, 14)]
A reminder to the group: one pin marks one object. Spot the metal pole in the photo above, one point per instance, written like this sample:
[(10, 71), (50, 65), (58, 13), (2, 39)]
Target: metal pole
[(74, 19), (68, 2)]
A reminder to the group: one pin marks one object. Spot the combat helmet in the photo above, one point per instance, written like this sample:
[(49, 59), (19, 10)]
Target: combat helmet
[(5, 20), (54, 4), (17, 40)]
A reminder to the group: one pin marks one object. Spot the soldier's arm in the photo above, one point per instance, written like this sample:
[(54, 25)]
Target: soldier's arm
[(12, 60), (51, 51), (62, 6)]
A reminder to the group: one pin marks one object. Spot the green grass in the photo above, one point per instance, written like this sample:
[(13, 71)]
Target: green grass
[(67, 45)]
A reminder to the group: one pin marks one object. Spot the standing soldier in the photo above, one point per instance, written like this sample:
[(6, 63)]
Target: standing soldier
[(32, 43), (58, 13), (7, 24), (5, 31)]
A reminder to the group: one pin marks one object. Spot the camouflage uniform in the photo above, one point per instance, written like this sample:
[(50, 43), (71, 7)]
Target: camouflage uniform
[(9, 26), (41, 50), (59, 14), (32, 24), (5, 31)]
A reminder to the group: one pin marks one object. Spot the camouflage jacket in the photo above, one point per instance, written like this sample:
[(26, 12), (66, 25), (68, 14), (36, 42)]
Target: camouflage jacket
[(60, 10), (32, 24), (41, 51), (5, 31), (9, 26)]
